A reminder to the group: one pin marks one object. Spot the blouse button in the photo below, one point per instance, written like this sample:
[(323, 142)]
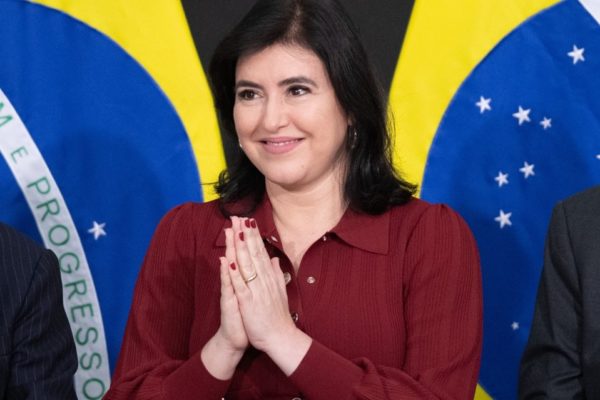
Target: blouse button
[(295, 317), (324, 238), (287, 277), (311, 280), (297, 398)]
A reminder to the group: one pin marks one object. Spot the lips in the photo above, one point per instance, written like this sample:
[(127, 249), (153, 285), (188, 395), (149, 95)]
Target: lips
[(280, 145)]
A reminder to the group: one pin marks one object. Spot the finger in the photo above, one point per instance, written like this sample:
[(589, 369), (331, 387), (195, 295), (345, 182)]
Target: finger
[(235, 222), (226, 287), (229, 300), (240, 289), (231, 253), (256, 248), (229, 246), (245, 262), (257, 240), (279, 277)]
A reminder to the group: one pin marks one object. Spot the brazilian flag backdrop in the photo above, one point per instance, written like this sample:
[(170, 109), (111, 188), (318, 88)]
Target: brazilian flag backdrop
[(106, 122)]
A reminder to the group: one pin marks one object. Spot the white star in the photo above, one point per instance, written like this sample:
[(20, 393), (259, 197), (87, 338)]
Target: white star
[(97, 230), (502, 179), (576, 54), (484, 104), (522, 115), (503, 219), (527, 169), (546, 123), (598, 156), (514, 326)]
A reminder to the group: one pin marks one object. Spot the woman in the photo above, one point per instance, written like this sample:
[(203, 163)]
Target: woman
[(316, 275)]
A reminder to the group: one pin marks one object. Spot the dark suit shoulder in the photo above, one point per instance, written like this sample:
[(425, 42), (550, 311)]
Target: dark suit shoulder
[(35, 338), (14, 245), (578, 217), (583, 204), (561, 357), (19, 258)]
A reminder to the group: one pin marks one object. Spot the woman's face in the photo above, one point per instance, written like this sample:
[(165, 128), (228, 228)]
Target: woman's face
[(288, 119)]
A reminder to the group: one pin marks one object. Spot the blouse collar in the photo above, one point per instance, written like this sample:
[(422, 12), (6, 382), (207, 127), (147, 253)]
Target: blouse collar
[(357, 229)]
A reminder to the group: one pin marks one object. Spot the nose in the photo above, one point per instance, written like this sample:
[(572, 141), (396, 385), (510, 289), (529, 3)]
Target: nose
[(275, 114)]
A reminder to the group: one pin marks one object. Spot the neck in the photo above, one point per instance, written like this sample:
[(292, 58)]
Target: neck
[(310, 210), (302, 217)]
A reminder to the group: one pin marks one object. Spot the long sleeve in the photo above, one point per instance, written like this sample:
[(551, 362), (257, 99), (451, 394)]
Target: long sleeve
[(43, 359), (550, 367), (155, 360), (443, 312)]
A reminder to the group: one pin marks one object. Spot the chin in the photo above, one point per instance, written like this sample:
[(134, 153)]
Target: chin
[(286, 181)]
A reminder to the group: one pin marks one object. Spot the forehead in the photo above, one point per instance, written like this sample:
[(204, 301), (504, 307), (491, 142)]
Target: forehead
[(280, 61)]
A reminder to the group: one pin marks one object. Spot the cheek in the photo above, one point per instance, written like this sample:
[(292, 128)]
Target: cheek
[(242, 117), (331, 116), (338, 128)]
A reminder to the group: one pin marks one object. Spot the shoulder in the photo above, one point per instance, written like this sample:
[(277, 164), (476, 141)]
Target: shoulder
[(582, 204), (18, 250), (192, 214), (420, 226), (22, 263), (11, 238), (419, 213), (188, 224), (580, 212), (576, 220), (436, 241)]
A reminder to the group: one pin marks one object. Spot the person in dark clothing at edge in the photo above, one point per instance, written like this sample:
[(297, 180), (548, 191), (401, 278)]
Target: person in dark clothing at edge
[(37, 353)]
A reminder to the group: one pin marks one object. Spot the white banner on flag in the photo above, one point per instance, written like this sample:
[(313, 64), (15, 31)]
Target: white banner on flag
[(58, 231)]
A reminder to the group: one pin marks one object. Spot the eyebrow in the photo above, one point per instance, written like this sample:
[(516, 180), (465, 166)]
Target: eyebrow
[(286, 82), (297, 79)]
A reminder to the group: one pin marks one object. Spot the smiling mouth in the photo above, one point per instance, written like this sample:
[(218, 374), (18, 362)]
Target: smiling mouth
[(280, 142), (280, 146)]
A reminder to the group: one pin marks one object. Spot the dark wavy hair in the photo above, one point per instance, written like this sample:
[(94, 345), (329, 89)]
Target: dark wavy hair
[(371, 184)]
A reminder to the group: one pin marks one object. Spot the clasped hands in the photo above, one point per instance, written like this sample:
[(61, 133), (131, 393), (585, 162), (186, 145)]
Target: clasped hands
[(254, 304)]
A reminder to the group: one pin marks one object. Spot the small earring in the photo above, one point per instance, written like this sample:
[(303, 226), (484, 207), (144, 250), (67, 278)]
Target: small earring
[(240, 144), (354, 137)]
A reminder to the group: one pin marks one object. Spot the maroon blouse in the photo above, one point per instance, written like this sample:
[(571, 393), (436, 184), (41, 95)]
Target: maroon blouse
[(393, 304)]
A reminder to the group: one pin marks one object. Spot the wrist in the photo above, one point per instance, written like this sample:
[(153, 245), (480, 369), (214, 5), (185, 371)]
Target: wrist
[(288, 349), (219, 358)]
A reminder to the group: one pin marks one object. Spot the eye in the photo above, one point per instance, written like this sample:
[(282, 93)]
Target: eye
[(298, 90), (247, 94)]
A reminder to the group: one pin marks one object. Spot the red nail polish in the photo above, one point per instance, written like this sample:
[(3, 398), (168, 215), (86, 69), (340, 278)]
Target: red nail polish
[(232, 266), (247, 223), (253, 223), (242, 236)]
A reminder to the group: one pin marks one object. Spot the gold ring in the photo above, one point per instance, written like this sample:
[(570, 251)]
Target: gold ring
[(251, 278)]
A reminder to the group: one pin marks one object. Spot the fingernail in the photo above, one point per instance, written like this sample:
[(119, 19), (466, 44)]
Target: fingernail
[(253, 223), (242, 236), (247, 223), (232, 266)]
